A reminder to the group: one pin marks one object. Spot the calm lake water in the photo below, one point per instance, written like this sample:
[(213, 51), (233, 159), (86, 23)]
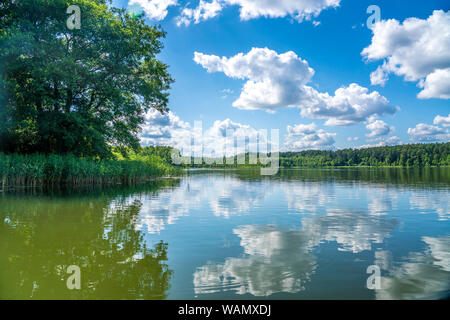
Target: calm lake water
[(303, 234)]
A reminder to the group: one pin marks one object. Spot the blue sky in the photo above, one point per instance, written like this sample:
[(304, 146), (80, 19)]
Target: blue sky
[(331, 43)]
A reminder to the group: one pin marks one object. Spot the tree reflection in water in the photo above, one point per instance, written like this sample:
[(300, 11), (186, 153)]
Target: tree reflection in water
[(42, 236)]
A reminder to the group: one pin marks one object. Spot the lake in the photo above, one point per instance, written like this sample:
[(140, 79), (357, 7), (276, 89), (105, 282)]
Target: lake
[(232, 234)]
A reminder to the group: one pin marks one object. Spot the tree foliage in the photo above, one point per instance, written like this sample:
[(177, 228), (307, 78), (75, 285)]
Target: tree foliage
[(77, 91), (415, 155)]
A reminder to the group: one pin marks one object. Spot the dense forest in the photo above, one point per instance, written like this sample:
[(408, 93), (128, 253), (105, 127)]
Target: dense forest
[(413, 155)]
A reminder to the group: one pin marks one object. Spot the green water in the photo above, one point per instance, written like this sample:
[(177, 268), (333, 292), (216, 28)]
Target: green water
[(303, 234)]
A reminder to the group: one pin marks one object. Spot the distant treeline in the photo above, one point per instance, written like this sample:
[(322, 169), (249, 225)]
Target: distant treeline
[(413, 155)]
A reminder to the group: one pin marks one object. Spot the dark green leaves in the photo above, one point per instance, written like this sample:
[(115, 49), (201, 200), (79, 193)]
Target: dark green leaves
[(76, 91)]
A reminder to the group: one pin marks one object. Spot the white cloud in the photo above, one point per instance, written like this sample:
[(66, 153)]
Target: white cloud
[(298, 9), (436, 85), (226, 93), (379, 76), (418, 50), (204, 11), (276, 81), (349, 105), (306, 136), (378, 128), (215, 142), (155, 9), (391, 141), (168, 130), (426, 132), (382, 142), (352, 138), (163, 129), (442, 120)]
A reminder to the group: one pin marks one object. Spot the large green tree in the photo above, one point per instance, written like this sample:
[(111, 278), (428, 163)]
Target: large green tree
[(76, 91)]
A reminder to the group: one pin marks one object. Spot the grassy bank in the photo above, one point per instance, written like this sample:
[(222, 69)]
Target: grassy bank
[(54, 170)]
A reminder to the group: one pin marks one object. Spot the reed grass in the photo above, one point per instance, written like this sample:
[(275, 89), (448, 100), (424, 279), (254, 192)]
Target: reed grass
[(53, 170)]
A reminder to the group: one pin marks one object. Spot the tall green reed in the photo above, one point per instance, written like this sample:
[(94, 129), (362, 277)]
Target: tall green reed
[(53, 170)]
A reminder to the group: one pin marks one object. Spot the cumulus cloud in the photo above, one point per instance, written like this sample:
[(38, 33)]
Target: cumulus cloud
[(298, 10), (391, 141), (204, 11), (416, 49), (223, 138), (276, 81), (426, 132), (378, 128), (382, 142), (226, 93), (349, 105), (436, 85), (442, 121), (155, 9), (306, 136), (163, 129)]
